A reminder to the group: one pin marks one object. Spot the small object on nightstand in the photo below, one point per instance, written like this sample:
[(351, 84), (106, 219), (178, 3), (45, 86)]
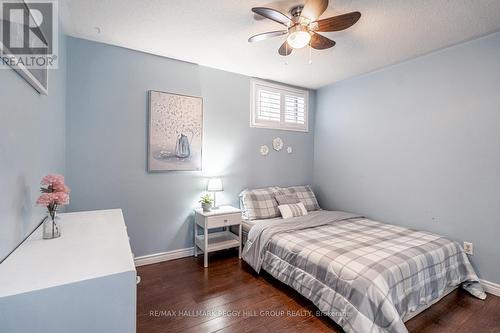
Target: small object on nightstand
[(224, 217), (206, 202), (215, 185)]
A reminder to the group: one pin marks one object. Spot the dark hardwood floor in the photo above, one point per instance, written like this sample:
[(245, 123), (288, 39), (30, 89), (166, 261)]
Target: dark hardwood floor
[(182, 296)]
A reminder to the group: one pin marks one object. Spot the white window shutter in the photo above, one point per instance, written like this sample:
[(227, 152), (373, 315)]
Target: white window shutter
[(279, 107), (268, 105), (295, 111)]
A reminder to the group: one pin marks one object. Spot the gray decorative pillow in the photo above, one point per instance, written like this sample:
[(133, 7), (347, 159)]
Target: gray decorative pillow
[(287, 199), (259, 203), (305, 195), (292, 210)]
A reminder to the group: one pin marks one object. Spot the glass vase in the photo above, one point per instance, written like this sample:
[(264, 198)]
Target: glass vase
[(182, 148), (51, 227)]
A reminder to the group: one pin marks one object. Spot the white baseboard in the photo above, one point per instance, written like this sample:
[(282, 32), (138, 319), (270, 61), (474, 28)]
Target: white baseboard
[(163, 256), (490, 287)]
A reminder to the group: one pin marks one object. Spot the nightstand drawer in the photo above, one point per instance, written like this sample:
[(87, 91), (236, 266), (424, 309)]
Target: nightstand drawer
[(223, 220)]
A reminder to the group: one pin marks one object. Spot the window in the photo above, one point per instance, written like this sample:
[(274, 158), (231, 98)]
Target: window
[(279, 107)]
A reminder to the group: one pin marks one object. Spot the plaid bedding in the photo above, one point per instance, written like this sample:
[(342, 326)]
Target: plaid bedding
[(259, 203), (304, 193), (363, 274), (292, 210), (286, 199)]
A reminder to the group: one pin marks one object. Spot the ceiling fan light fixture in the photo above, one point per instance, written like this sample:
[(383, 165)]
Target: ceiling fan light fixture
[(303, 26), (299, 38)]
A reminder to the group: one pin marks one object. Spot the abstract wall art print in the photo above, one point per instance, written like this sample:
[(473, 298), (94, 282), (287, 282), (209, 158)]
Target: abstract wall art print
[(175, 132)]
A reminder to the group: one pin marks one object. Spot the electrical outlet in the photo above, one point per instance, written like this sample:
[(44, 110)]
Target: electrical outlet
[(468, 248)]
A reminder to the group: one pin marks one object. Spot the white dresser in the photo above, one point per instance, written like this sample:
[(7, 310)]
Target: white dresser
[(84, 281)]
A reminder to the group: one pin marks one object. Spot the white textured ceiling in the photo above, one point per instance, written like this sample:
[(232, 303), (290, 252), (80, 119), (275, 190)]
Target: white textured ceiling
[(214, 33)]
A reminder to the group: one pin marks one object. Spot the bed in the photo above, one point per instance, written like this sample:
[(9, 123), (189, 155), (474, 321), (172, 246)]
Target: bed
[(366, 275)]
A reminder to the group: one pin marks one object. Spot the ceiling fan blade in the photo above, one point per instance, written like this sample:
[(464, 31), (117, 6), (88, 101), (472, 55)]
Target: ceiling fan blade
[(285, 49), (266, 35), (319, 42), (338, 23), (272, 14), (313, 9)]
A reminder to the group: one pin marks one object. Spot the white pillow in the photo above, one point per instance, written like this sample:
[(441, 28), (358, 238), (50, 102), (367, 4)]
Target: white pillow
[(292, 210)]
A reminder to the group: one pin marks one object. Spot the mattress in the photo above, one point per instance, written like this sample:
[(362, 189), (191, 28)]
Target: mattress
[(366, 275)]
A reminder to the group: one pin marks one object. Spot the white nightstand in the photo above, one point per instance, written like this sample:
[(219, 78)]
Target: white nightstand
[(224, 217)]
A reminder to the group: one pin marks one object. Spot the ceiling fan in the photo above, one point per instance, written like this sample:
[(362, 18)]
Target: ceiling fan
[(303, 26)]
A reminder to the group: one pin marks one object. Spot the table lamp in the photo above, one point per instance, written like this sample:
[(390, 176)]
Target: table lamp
[(215, 185)]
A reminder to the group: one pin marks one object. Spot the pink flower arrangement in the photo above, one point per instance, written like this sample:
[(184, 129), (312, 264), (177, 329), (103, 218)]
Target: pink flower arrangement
[(52, 179), (55, 198), (54, 193)]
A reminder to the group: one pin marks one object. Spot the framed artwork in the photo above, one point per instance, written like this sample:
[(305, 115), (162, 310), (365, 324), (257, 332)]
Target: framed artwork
[(175, 132), (36, 76)]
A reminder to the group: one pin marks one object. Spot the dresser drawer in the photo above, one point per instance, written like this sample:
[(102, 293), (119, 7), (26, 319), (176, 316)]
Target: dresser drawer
[(223, 220)]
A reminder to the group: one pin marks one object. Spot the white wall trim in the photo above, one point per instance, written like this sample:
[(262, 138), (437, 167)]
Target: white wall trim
[(490, 287), (163, 256)]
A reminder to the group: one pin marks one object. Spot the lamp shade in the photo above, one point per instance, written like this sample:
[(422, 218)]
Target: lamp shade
[(215, 185)]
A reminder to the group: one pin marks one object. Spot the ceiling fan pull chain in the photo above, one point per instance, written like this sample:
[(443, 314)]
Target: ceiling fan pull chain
[(310, 54), (286, 52)]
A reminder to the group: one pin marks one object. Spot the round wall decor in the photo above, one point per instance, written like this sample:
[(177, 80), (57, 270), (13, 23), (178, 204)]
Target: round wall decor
[(277, 144), (264, 150)]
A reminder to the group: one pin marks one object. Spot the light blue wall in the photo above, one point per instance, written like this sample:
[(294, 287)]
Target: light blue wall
[(414, 144), (32, 136), (107, 141), (418, 144)]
